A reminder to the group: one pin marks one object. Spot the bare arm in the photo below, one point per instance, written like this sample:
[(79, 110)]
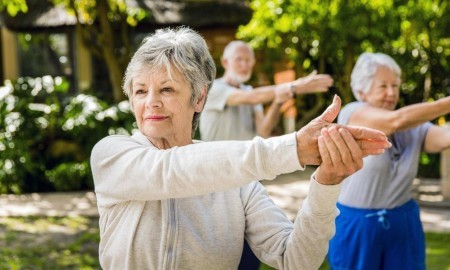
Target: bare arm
[(313, 83), (437, 139), (407, 117), (265, 122), (263, 95)]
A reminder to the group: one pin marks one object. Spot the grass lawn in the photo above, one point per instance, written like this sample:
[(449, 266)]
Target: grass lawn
[(72, 243), (49, 243)]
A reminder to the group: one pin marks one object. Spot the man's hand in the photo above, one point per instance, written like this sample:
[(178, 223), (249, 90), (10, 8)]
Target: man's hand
[(313, 83), (370, 141)]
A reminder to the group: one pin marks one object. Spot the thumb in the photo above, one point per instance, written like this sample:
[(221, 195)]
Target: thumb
[(314, 72), (332, 111)]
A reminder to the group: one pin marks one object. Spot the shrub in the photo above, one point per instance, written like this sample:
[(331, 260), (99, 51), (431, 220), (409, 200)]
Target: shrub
[(46, 136)]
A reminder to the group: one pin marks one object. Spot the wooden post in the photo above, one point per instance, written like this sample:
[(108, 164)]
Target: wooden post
[(82, 64), (445, 171), (9, 55)]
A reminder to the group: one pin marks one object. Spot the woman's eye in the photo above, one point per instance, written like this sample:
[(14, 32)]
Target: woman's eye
[(139, 92), (167, 89)]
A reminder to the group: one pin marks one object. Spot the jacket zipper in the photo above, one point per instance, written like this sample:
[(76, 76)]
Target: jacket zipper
[(171, 232)]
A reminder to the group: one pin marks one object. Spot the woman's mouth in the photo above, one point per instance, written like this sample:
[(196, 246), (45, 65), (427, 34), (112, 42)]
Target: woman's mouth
[(155, 118)]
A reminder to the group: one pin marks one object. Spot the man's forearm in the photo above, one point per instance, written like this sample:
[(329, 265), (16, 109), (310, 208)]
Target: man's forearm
[(270, 120)]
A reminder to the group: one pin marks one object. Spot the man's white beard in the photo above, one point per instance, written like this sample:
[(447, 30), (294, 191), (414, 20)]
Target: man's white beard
[(240, 78)]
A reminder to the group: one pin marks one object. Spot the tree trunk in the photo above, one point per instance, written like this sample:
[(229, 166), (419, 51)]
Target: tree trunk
[(113, 63), (346, 91)]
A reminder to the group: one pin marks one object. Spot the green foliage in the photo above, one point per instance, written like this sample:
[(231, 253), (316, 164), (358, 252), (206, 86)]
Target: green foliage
[(47, 136), (429, 165), (106, 27), (13, 7), (87, 11), (330, 35), (76, 176)]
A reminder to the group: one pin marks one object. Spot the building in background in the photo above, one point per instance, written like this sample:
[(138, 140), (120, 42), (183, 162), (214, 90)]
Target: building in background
[(44, 41)]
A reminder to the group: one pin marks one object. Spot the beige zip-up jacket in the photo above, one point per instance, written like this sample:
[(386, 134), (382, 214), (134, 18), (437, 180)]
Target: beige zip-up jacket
[(190, 207)]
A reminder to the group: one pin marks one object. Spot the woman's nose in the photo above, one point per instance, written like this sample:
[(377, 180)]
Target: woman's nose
[(391, 90), (153, 100)]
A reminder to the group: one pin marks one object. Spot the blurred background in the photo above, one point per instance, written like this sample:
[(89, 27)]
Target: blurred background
[(62, 64)]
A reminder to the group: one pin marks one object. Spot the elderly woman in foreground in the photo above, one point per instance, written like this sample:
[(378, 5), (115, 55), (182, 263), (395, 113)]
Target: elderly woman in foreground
[(167, 202), (379, 226)]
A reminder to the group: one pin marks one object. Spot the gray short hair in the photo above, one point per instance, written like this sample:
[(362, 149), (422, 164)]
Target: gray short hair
[(365, 69), (232, 46), (181, 48)]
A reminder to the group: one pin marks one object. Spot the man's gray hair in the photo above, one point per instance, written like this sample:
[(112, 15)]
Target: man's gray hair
[(365, 69), (232, 46), (181, 48)]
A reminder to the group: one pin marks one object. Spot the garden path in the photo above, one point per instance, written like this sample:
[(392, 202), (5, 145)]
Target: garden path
[(287, 191)]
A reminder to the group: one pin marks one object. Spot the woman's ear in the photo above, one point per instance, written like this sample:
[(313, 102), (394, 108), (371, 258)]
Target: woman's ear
[(362, 95), (200, 103)]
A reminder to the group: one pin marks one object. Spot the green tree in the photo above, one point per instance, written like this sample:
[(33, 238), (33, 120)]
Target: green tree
[(105, 27), (330, 35), (13, 7)]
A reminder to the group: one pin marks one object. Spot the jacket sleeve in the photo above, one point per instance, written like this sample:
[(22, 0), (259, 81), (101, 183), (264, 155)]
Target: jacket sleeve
[(125, 169), (277, 241)]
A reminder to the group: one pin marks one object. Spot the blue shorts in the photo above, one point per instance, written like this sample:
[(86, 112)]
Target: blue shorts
[(378, 239)]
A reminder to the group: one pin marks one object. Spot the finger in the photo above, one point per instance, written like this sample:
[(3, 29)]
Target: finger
[(325, 171), (334, 153), (354, 147), (329, 81), (324, 154), (371, 147), (367, 134), (341, 145), (348, 148), (332, 111), (321, 89), (325, 78)]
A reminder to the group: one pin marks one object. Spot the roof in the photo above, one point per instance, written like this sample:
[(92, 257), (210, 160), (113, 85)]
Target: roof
[(42, 14)]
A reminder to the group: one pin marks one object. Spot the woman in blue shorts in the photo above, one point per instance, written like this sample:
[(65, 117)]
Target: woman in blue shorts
[(379, 224)]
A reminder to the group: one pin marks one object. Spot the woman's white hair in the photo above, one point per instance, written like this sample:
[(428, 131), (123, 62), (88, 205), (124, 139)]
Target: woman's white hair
[(181, 48), (365, 69)]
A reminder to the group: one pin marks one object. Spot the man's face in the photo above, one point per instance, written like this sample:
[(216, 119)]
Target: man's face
[(239, 65)]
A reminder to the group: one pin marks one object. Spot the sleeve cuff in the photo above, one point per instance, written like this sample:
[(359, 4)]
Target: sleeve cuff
[(282, 154), (321, 199)]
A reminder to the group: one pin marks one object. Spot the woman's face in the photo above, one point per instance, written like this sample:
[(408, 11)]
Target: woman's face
[(384, 92), (162, 107)]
